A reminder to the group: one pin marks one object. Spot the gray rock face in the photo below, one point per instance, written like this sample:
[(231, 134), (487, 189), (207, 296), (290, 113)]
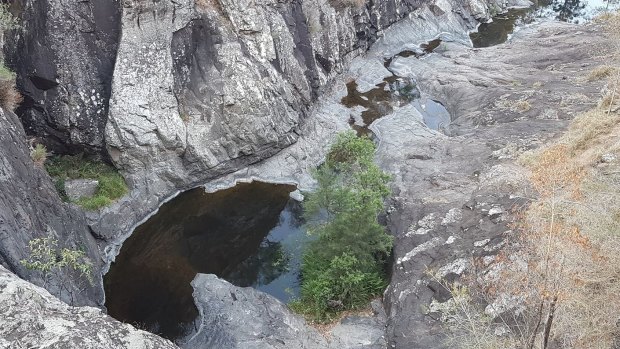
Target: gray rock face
[(30, 208), (204, 88), (79, 188), (453, 194), (33, 318), (243, 318), (64, 56)]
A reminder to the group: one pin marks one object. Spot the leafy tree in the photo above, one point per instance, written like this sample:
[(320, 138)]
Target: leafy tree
[(344, 267)]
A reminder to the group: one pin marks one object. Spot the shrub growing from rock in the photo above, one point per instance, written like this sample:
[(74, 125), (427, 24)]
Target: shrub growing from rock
[(344, 267), (55, 264), (39, 154)]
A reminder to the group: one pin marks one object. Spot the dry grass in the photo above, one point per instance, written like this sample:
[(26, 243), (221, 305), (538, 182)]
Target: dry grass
[(562, 267), (600, 72), (205, 5), (10, 98), (588, 127), (517, 106), (38, 154), (342, 4)]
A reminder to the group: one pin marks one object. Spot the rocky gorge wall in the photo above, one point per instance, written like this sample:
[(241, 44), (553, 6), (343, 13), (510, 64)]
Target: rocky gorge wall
[(203, 89), (213, 92), (30, 208), (64, 54), (174, 92)]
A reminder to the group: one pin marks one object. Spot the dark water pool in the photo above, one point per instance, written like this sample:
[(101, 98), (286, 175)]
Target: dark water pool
[(503, 25), (434, 114), (250, 235), (394, 91), (498, 30)]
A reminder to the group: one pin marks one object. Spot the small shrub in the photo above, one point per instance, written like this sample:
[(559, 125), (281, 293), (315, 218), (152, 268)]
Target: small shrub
[(517, 106), (56, 265), (9, 96), (7, 20), (522, 106), (111, 186), (39, 154)]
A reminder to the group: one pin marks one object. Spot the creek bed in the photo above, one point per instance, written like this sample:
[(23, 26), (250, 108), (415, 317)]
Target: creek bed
[(251, 235)]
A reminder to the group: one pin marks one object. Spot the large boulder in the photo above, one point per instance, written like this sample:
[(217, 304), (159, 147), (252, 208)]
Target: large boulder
[(30, 317), (244, 318), (64, 54)]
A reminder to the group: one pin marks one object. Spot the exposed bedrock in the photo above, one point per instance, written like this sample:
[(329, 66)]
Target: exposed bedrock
[(63, 54), (30, 208), (33, 318), (244, 318), (203, 89), (454, 195)]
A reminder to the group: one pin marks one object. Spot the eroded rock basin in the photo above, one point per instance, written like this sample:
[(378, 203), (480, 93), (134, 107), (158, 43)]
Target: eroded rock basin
[(249, 235)]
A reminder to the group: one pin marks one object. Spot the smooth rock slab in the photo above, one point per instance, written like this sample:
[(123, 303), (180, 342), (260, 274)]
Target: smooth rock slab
[(243, 318), (30, 317), (81, 188)]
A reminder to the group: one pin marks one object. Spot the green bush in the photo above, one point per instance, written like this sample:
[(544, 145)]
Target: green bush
[(7, 20), (344, 267), (56, 265), (111, 186), (39, 154)]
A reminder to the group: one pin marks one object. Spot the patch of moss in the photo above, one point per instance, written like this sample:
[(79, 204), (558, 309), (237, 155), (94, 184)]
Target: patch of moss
[(111, 185)]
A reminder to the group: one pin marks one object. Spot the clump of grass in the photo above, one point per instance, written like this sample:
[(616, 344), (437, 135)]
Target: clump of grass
[(38, 154), (184, 117), (538, 84), (518, 106), (522, 106), (111, 185), (9, 96), (601, 72), (587, 127), (342, 4)]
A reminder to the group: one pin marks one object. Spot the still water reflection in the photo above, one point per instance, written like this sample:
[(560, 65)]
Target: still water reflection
[(250, 235)]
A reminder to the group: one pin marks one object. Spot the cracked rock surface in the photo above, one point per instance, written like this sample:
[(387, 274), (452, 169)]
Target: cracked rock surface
[(33, 318)]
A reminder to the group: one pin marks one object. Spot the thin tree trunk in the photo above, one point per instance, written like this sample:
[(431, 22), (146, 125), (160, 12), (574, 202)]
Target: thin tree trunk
[(549, 322), (538, 321)]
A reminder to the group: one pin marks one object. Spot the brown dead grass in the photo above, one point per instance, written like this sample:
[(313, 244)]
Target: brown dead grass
[(342, 4), (10, 98), (325, 329), (600, 72)]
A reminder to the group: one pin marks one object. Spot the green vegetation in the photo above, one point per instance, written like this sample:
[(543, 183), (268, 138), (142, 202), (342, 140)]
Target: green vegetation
[(39, 154), (7, 20), (344, 267), (56, 265), (111, 186), (9, 97)]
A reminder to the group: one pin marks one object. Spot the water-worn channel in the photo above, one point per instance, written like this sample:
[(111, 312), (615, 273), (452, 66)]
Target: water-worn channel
[(251, 235)]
